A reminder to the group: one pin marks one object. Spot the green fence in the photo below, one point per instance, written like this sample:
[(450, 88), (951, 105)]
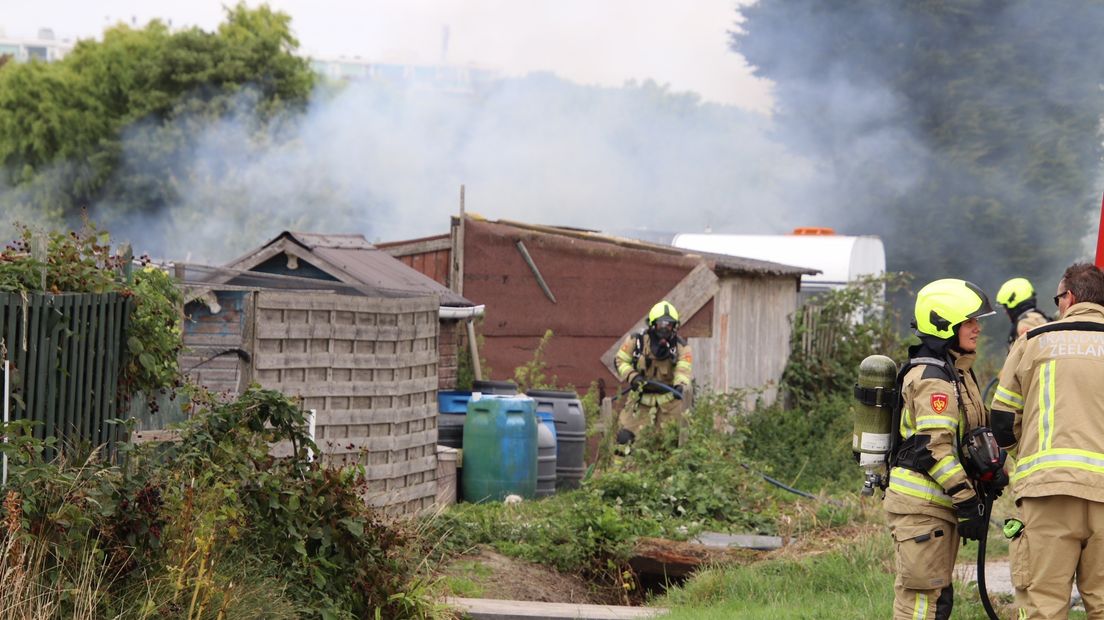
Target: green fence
[(67, 353)]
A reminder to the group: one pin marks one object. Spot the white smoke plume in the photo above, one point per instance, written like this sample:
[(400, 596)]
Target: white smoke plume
[(387, 161)]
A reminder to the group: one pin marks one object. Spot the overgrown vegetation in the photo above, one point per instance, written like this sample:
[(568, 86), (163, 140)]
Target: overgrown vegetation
[(212, 526), (805, 438), (83, 262)]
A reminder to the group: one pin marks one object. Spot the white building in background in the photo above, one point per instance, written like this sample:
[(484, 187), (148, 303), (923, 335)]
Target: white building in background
[(44, 48), (841, 259), (462, 79)]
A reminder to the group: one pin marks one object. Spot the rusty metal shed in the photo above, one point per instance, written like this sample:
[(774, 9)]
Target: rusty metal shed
[(592, 289)]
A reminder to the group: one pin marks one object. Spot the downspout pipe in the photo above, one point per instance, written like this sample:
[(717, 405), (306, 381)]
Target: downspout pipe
[(460, 313)]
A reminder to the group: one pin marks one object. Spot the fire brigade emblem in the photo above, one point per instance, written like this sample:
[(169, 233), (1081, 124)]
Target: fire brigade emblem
[(938, 402)]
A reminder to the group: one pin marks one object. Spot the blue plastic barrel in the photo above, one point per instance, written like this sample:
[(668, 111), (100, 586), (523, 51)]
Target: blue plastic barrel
[(452, 407), (500, 448)]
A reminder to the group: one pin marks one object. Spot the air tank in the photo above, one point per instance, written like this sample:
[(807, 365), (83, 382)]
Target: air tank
[(875, 396)]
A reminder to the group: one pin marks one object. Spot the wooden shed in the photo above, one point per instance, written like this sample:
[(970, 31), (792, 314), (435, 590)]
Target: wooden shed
[(593, 289), (355, 333)]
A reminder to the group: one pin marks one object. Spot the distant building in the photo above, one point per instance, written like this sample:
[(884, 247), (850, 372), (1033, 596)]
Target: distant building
[(44, 48), (461, 79)]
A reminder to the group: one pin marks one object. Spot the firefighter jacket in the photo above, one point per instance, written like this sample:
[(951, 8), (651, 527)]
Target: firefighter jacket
[(936, 413), (636, 355), (1050, 403), (1028, 318)]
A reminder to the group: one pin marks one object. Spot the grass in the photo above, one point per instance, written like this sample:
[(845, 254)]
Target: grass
[(852, 579), (465, 579)]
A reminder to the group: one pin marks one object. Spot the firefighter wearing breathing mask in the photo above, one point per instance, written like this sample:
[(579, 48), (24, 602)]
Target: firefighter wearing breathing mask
[(656, 363), (931, 501)]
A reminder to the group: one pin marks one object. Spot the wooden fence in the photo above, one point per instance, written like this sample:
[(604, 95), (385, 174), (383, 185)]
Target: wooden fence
[(66, 352), (368, 366)]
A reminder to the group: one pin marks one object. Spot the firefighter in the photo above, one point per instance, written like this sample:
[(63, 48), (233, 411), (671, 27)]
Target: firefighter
[(930, 502), (656, 363), (1018, 298), (1049, 408)]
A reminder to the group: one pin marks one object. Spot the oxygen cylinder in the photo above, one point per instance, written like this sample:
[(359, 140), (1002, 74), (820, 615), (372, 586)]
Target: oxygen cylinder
[(875, 395)]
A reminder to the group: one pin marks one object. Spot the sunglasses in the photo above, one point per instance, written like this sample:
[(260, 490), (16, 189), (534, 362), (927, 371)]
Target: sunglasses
[(1059, 296)]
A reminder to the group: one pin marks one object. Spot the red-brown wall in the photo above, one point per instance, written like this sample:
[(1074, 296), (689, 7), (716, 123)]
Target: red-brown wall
[(601, 290)]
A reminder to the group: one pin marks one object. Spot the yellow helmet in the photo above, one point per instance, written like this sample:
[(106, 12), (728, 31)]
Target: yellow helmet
[(1014, 292), (943, 304), (661, 310)]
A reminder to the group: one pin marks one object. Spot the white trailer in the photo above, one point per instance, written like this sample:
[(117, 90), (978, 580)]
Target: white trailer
[(841, 259)]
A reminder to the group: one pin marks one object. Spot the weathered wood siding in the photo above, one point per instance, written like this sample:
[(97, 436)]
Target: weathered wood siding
[(751, 335), (368, 366), (207, 334)]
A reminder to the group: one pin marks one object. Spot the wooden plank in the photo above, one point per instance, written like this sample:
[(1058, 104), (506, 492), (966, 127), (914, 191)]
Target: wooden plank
[(382, 443), (688, 296), (432, 244), (493, 609), (672, 558), (718, 540), (360, 361), (36, 363), (212, 341), (296, 331), (155, 436), (403, 495), (391, 471), (99, 308), (397, 388), (383, 305), (346, 417)]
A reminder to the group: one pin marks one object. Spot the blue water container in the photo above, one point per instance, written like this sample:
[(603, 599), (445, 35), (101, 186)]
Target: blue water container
[(500, 448), (452, 407)]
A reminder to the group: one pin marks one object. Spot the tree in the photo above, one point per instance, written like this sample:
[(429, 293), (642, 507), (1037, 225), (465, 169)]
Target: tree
[(966, 133), (62, 124)]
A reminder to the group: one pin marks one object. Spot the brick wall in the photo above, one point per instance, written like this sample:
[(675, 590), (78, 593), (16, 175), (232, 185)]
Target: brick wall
[(448, 348)]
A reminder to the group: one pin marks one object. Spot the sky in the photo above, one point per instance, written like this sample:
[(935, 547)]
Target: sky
[(604, 43)]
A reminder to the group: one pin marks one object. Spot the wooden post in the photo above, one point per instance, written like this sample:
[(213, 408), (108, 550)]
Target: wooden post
[(458, 250), (536, 272)]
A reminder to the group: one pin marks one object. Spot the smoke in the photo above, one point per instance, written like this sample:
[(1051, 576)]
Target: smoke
[(387, 161), (966, 135)]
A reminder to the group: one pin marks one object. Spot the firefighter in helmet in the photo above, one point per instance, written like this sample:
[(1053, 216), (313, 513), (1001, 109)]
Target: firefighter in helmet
[(1018, 298), (656, 363), (931, 502), (1048, 409)]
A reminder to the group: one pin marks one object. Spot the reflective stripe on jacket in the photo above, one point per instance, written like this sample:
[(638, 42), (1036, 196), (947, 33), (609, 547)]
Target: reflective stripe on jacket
[(668, 371), (931, 408), (1051, 382)]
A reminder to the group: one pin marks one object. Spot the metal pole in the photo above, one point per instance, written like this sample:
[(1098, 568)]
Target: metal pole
[(310, 430), (7, 400)]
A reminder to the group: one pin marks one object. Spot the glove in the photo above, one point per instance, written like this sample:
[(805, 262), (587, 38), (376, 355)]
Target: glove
[(678, 391), (625, 436), (636, 380), (972, 523), (993, 488)]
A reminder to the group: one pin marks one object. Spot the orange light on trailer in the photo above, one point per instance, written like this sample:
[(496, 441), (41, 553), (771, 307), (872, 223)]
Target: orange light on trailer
[(813, 230)]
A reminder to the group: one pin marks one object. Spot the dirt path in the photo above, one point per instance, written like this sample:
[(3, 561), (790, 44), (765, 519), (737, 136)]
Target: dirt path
[(492, 575)]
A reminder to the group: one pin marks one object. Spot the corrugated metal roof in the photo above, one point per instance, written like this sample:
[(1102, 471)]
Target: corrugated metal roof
[(720, 263), (362, 263)]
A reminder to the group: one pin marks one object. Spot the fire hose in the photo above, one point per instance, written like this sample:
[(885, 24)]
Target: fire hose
[(987, 504)]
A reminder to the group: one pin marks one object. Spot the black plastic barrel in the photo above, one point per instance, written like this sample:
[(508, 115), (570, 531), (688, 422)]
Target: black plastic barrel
[(546, 454), (506, 388), (570, 434)]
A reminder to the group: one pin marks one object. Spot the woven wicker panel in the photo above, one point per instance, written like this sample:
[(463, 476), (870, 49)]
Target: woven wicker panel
[(369, 368)]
